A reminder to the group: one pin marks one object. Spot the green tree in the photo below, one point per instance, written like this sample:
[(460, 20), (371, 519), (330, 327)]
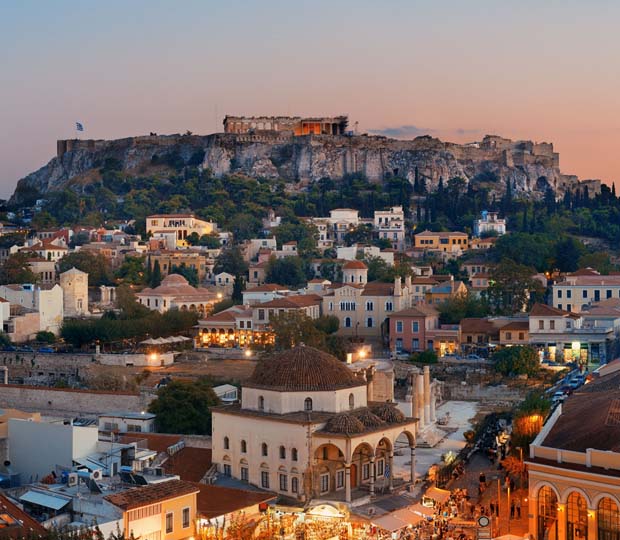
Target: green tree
[(5, 340), (127, 303), (453, 310), (512, 287), (286, 271), (238, 288), (520, 360), (598, 260), (231, 260), (96, 266), (568, 251), (328, 324), (424, 357), (16, 270), (184, 407), (305, 234), (132, 271), (45, 337), (156, 275), (292, 328)]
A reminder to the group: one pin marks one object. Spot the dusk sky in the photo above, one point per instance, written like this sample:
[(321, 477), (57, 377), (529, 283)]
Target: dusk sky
[(540, 70)]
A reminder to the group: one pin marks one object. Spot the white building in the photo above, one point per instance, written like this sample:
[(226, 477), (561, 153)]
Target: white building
[(127, 422), (176, 293), (264, 293), (74, 284), (37, 448), (489, 224), (577, 292), (363, 308), (47, 300), (390, 225), (305, 429), (561, 336)]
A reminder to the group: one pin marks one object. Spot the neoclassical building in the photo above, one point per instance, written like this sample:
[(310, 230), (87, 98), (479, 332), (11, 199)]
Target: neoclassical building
[(305, 428), (574, 467)]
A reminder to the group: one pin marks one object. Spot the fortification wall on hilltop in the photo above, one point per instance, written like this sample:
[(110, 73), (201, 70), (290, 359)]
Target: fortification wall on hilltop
[(530, 167)]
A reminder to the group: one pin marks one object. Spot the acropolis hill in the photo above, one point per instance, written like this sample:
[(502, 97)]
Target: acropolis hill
[(305, 158)]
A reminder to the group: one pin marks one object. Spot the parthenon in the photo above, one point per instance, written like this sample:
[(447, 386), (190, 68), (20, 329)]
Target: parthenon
[(336, 125)]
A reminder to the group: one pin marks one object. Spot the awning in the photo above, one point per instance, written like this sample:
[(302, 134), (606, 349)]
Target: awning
[(422, 510), (409, 517), (389, 523), (439, 495), (44, 499)]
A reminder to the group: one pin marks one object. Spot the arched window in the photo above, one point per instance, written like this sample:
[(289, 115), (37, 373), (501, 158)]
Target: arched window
[(294, 454), (576, 517), (608, 520), (351, 401), (261, 403), (547, 513), (264, 449), (308, 404), (244, 447), (282, 452), (347, 322), (226, 443)]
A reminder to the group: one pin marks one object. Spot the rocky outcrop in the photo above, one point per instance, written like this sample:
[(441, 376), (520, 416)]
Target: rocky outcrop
[(530, 167)]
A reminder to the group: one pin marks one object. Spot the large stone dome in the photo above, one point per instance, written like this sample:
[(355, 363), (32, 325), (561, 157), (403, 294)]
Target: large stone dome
[(303, 369)]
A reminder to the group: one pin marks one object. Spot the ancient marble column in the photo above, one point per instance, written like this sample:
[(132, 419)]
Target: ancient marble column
[(434, 402), (391, 471), (427, 395), (412, 448), (419, 394)]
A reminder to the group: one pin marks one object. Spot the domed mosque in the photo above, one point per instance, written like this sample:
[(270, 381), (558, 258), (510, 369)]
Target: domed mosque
[(305, 428)]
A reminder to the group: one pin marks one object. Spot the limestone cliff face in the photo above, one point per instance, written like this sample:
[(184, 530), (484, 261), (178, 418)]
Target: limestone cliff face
[(530, 167)]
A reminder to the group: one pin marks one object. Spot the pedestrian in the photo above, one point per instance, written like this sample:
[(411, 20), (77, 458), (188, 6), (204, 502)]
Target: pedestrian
[(512, 509), (518, 507)]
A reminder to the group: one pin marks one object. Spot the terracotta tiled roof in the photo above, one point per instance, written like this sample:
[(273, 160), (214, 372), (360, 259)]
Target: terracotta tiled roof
[(267, 287), (19, 524), (151, 494), (599, 402), (191, 464), (302, 369), (421, 310), (585, 272), (293, 302), (517, 325), (477, 326), (354, 265), (378, 288), (216, 501), (543, 310)]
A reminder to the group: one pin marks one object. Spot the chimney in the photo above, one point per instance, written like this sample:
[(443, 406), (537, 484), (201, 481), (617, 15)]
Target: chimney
[(408, 282)]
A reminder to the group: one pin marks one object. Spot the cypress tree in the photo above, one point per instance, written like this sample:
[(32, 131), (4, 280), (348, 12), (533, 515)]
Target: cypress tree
[(419, 212), (613, 191), (155, 280)]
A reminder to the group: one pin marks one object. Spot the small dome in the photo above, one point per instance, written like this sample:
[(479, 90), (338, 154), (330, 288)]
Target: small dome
[(303, 369), (344, 423), (388, 413), (174, 279), (368, 418), (354, 265)]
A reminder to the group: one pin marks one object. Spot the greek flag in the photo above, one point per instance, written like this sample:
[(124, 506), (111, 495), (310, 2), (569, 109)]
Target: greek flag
[(79, 126), (386, 471)]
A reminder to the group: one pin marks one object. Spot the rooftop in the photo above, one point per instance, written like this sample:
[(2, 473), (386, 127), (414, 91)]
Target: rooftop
[(151, 494), (302, 369), (215, 501)]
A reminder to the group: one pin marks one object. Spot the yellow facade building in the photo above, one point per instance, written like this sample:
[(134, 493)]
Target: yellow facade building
[(446, 242), (161, 511), (182, 225), (574, 467)]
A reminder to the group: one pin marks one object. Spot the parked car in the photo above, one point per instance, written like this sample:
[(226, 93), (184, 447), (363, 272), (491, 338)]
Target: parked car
[(474, 357), (10, 348), (558, 397), (46, 350)]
